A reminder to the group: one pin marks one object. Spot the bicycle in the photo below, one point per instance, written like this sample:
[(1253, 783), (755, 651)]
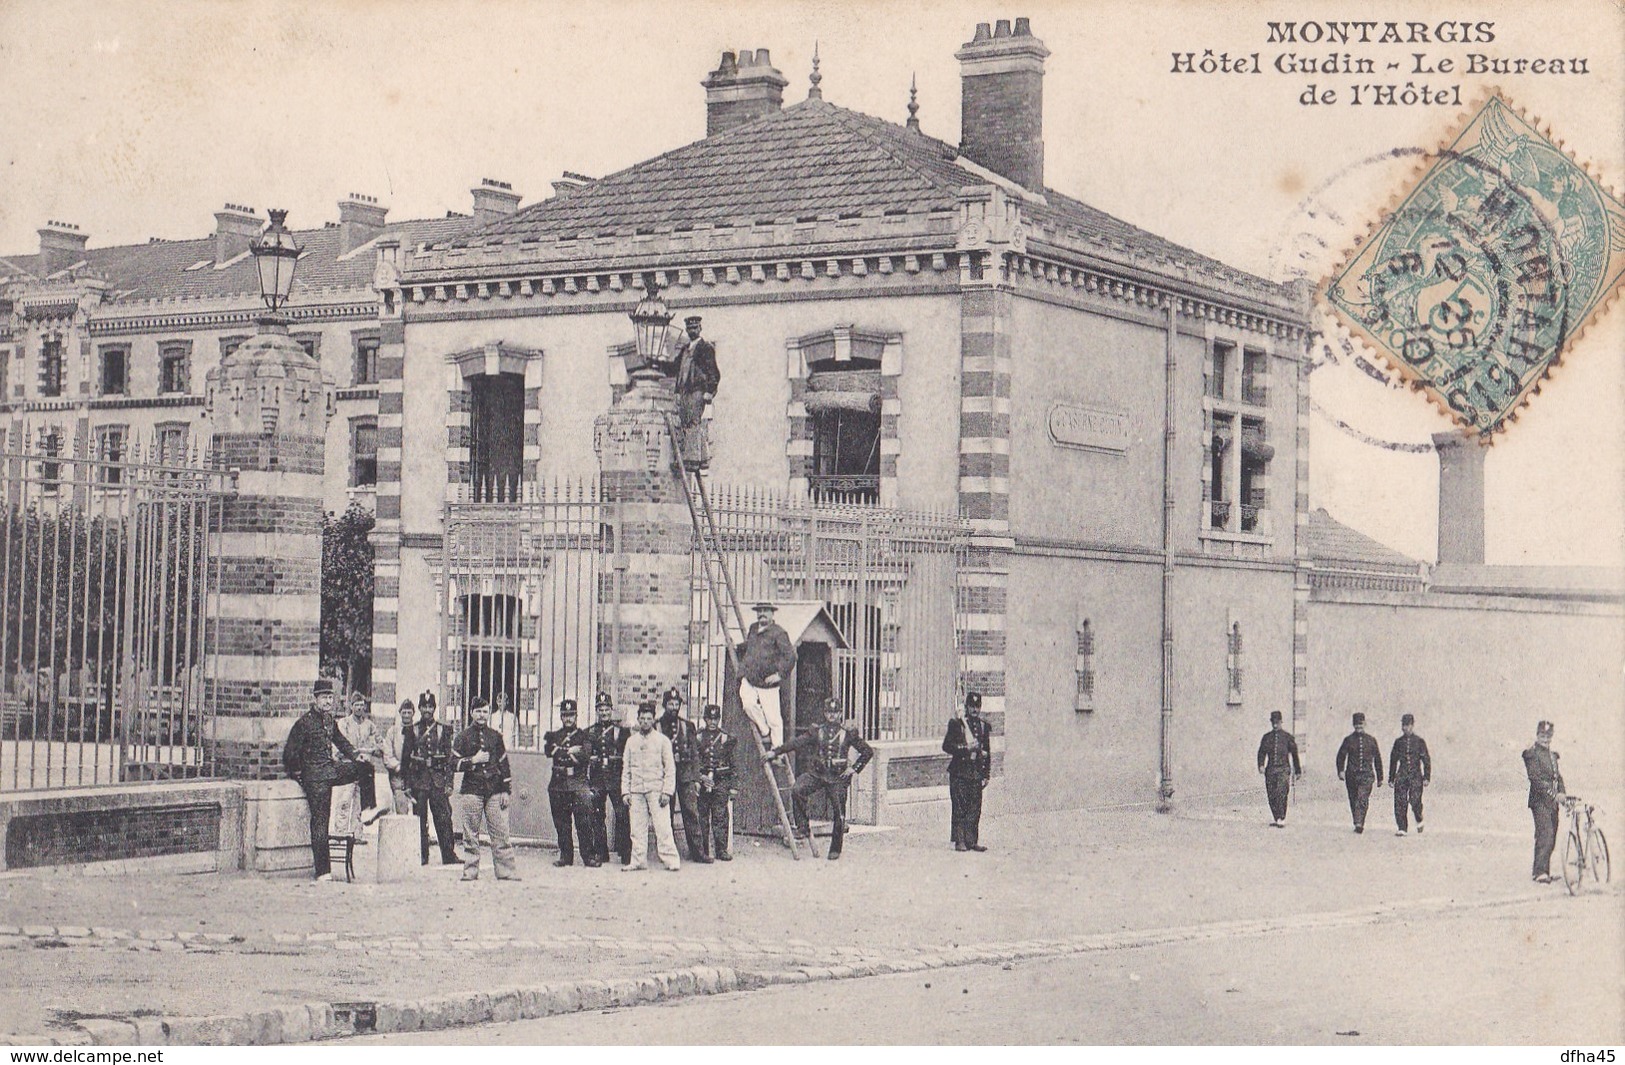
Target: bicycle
[(1584, 848)]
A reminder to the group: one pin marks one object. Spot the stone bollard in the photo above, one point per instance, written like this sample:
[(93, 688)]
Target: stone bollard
[(397, 848)]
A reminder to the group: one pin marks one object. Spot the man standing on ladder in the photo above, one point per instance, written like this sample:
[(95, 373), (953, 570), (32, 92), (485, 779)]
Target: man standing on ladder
[(830, 773), (765, 661), (696, 377)]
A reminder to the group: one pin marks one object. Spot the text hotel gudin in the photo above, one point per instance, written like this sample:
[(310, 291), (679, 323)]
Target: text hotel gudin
[(1394, 64)]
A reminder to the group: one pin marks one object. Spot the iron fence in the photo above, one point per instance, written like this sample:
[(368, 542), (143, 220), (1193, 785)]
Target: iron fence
[(106, 598), (525, 577)]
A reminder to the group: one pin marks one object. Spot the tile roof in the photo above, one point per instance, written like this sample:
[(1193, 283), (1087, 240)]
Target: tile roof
[(160, 269), (815, 158), (1332, 541)]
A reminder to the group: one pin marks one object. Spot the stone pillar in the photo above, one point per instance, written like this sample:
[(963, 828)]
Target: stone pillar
[(643, 642), (1461, 498), (269, 405)]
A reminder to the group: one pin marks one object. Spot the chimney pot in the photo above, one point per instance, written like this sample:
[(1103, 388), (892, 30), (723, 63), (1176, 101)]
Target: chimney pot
[(493, 200), (235, 228), (1461, 498), (1002, 102), (60, 246), (742, 91)]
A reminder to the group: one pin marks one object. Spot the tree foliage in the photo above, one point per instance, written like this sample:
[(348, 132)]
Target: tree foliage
[(346, 638)]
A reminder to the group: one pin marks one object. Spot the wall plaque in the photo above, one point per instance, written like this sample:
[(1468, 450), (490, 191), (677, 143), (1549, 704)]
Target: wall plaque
[(1091, 428)]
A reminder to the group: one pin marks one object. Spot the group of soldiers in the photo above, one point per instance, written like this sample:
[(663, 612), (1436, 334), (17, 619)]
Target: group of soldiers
[(1359, 766), (1410, 770)]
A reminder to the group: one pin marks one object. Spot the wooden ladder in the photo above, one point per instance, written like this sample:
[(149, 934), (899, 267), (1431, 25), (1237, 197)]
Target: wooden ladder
[(719, 585)]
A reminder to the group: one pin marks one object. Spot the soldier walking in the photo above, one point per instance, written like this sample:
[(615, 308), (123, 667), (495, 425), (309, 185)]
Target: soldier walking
[(680, 731), (429, 769), (1278, 761), (968, 744), (1410, 769), (486, 794), (567, 793), (307, 757), (607, 738), (716, 751), (1359, 764), (831, 771), (1545, 791)]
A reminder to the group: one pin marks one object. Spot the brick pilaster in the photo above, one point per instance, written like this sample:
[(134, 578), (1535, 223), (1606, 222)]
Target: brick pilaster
[(268, 402)]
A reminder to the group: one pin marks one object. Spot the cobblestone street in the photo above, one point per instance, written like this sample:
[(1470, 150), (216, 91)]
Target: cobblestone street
[(85, 957)]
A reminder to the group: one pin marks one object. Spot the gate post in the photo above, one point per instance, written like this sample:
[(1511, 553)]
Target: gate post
[(270, 405), (644, 623)]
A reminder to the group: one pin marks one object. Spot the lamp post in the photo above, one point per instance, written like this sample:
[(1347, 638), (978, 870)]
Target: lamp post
[(276, 257), (649, 321)]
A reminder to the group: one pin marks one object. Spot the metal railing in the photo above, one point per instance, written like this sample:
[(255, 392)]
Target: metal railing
[(106, 605), (525, 581)]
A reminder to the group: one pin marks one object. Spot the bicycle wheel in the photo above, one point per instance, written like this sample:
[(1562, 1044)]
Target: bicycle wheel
[(1597, 856), (1573, 870)]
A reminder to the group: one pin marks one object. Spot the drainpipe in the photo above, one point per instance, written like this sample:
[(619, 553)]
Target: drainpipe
[(1165, 786)]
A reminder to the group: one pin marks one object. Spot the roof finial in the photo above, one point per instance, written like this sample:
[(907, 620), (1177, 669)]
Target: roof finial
[(815, 93), (914, 102)]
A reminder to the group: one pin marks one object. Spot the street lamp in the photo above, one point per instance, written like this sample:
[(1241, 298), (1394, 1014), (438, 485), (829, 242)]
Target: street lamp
[(649, 321), (276, 256)]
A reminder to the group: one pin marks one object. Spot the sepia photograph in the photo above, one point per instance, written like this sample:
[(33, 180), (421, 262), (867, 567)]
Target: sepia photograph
[(1093, 523)]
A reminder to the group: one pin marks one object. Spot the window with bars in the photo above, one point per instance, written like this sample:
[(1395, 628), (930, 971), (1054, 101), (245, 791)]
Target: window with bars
[(51, 367), (366, 360), (1233, 663), (115, 370), (50, 446), (174, 368), (110, 447), (363, 452), (1085, 697), (172, 439)]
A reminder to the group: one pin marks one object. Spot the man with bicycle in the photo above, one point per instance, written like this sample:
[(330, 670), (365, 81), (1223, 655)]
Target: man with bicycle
[(1545, 791)]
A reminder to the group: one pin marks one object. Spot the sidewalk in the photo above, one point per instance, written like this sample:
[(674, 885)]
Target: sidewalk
[(74, 949)]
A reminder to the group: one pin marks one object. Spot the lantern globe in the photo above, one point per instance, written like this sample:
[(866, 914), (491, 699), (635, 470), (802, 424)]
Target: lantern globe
[(277, 257)]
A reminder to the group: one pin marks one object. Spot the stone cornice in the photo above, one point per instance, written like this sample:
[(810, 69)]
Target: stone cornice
[(179, 317)]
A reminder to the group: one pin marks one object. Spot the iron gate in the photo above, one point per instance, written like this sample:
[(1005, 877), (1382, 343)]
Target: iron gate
[(523, 582), (106, 601)]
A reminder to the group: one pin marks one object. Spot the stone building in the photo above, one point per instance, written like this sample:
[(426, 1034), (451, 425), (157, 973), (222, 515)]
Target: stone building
[(914, 325)]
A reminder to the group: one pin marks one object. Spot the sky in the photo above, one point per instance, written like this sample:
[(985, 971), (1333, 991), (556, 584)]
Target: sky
[(134, 120)]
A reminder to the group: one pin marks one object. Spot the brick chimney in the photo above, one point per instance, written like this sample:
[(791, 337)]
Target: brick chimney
[(1461, 498), (570, 181), (235, 228), (741, 90), (360, 220), (1002, 102), (60, 246), (493, 200)]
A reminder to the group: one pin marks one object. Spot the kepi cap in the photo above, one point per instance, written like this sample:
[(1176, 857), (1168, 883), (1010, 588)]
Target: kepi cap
[(603, 699), (1544, 728), (1407, 719), (567, 706), (973, 700), (1359, 719), (1275, 717), (672, 695), (323, 686), (693, 319), (712, 710)]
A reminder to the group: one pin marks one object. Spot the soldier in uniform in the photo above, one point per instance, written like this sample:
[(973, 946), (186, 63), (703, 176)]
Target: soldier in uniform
[(968, 744), (608, 740), (1545, 791), (765, 659), (1278, 761), (1410, 769), (570, 748), (485, 795), (307, 756), (680, 731), (716, 757), (831, 770), (1359, 763), (428, 769)]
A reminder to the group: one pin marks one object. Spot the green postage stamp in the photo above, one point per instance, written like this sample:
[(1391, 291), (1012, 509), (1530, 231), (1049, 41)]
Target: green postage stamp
[(1477, 279)]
